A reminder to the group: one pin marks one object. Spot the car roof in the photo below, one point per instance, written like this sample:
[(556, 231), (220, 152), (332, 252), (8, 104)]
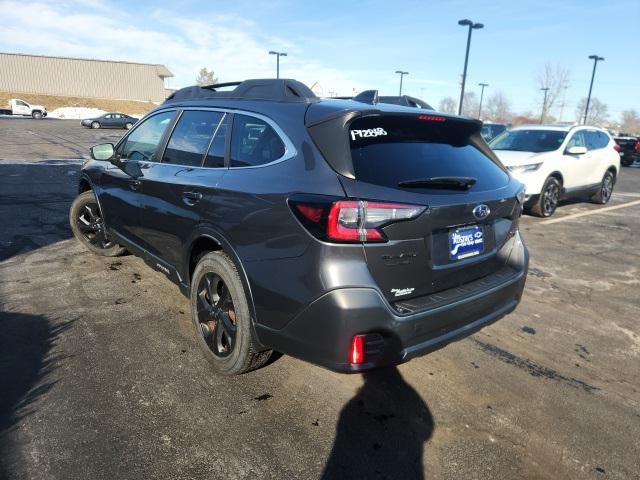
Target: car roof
[(558, 128), (281, 97), (330, 108)]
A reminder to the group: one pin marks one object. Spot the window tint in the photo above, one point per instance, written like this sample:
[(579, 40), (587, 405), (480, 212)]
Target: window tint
[(215, 156), (597, 140), (592, 140), (253, 142), (387, 151), (578, 140), (142, 143), (529, 140), (191, 137)]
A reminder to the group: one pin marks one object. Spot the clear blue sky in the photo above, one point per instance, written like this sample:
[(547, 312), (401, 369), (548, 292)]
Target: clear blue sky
[(347, 45)]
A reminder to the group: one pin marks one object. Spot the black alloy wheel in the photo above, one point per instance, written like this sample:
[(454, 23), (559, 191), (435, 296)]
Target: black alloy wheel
[(216, 315), (89, 222)]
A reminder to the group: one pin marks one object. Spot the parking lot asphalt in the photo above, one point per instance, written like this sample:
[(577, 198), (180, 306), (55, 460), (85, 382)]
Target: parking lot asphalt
[(100, 375)]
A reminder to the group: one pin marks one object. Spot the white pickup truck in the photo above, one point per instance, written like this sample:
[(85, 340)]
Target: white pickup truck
[(20, 107)]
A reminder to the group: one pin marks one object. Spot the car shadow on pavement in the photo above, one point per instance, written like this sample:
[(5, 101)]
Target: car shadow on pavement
[(381, 431), (34, 204), (26, 363)]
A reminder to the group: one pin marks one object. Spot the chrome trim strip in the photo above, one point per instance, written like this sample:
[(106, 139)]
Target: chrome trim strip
[(289, 150)]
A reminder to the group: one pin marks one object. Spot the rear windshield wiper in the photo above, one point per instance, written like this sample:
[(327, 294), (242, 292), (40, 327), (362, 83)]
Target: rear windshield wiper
[(457, 183)]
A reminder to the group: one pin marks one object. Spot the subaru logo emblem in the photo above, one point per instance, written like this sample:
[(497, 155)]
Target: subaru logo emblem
[(481, 212)]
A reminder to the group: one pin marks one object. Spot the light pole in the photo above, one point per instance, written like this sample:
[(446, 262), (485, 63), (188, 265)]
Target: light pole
[(278, 55), (471, 26), (481, 96), (402, 74), (544, 103), (595, 59)]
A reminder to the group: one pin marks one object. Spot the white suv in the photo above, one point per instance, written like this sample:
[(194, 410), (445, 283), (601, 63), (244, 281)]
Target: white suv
[(556, 162)]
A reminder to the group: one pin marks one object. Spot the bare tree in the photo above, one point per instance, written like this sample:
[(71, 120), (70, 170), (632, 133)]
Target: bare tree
[(525, 118), (470, 105), (447, 105), (555, 77), (206, 77), (498, 108), (598, 111), (630, 122)]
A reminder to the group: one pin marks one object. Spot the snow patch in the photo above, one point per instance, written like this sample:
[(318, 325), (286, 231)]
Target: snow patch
[(76, 113)]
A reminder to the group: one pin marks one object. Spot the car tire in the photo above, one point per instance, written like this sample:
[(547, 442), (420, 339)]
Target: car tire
[(221, 318), (128, 125), (606, 189), (87, 226), (548, 200), (95, 124), (36, 115)]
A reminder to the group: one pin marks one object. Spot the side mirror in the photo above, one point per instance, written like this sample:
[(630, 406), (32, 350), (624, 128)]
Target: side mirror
[(576, 150), (103, 152)]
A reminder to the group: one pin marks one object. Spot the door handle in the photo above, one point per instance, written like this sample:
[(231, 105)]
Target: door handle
[(134, 184), (191, 198)]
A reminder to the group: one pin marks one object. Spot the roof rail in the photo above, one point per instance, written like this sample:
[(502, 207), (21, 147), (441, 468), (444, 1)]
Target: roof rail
[(403, 100), (221, 85), (277, 90)]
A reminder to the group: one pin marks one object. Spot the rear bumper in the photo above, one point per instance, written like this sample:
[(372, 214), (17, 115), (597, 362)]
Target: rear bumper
[(322, 333)]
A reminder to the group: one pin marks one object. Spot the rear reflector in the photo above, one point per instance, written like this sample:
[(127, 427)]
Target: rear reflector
[(356, 355), (351, 220)]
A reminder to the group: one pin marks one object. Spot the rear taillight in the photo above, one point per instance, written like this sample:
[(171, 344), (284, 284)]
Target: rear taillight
[(638, 146), (616, 147), (351, 220)]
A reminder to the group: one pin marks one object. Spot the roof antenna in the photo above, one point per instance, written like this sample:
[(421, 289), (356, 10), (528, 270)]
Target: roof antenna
[(368, 96)]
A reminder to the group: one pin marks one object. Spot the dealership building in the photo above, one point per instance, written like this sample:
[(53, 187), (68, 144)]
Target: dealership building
[(78, 77)]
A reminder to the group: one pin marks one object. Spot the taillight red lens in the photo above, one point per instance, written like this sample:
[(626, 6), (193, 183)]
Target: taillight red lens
[(352, 220), (348, 222), (356, 353), (638, 146), (616, 147), (359, 221)]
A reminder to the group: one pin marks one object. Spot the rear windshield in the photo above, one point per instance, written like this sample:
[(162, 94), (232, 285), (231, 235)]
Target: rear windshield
[(390, 150), (529, 140)]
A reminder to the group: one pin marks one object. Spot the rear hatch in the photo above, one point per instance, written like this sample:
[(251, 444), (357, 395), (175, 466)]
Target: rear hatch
[(436, 162)]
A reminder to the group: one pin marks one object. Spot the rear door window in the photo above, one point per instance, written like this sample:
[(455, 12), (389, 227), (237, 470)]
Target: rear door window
[(253, 142), (597, 140), (190, 139), (389, 150)]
